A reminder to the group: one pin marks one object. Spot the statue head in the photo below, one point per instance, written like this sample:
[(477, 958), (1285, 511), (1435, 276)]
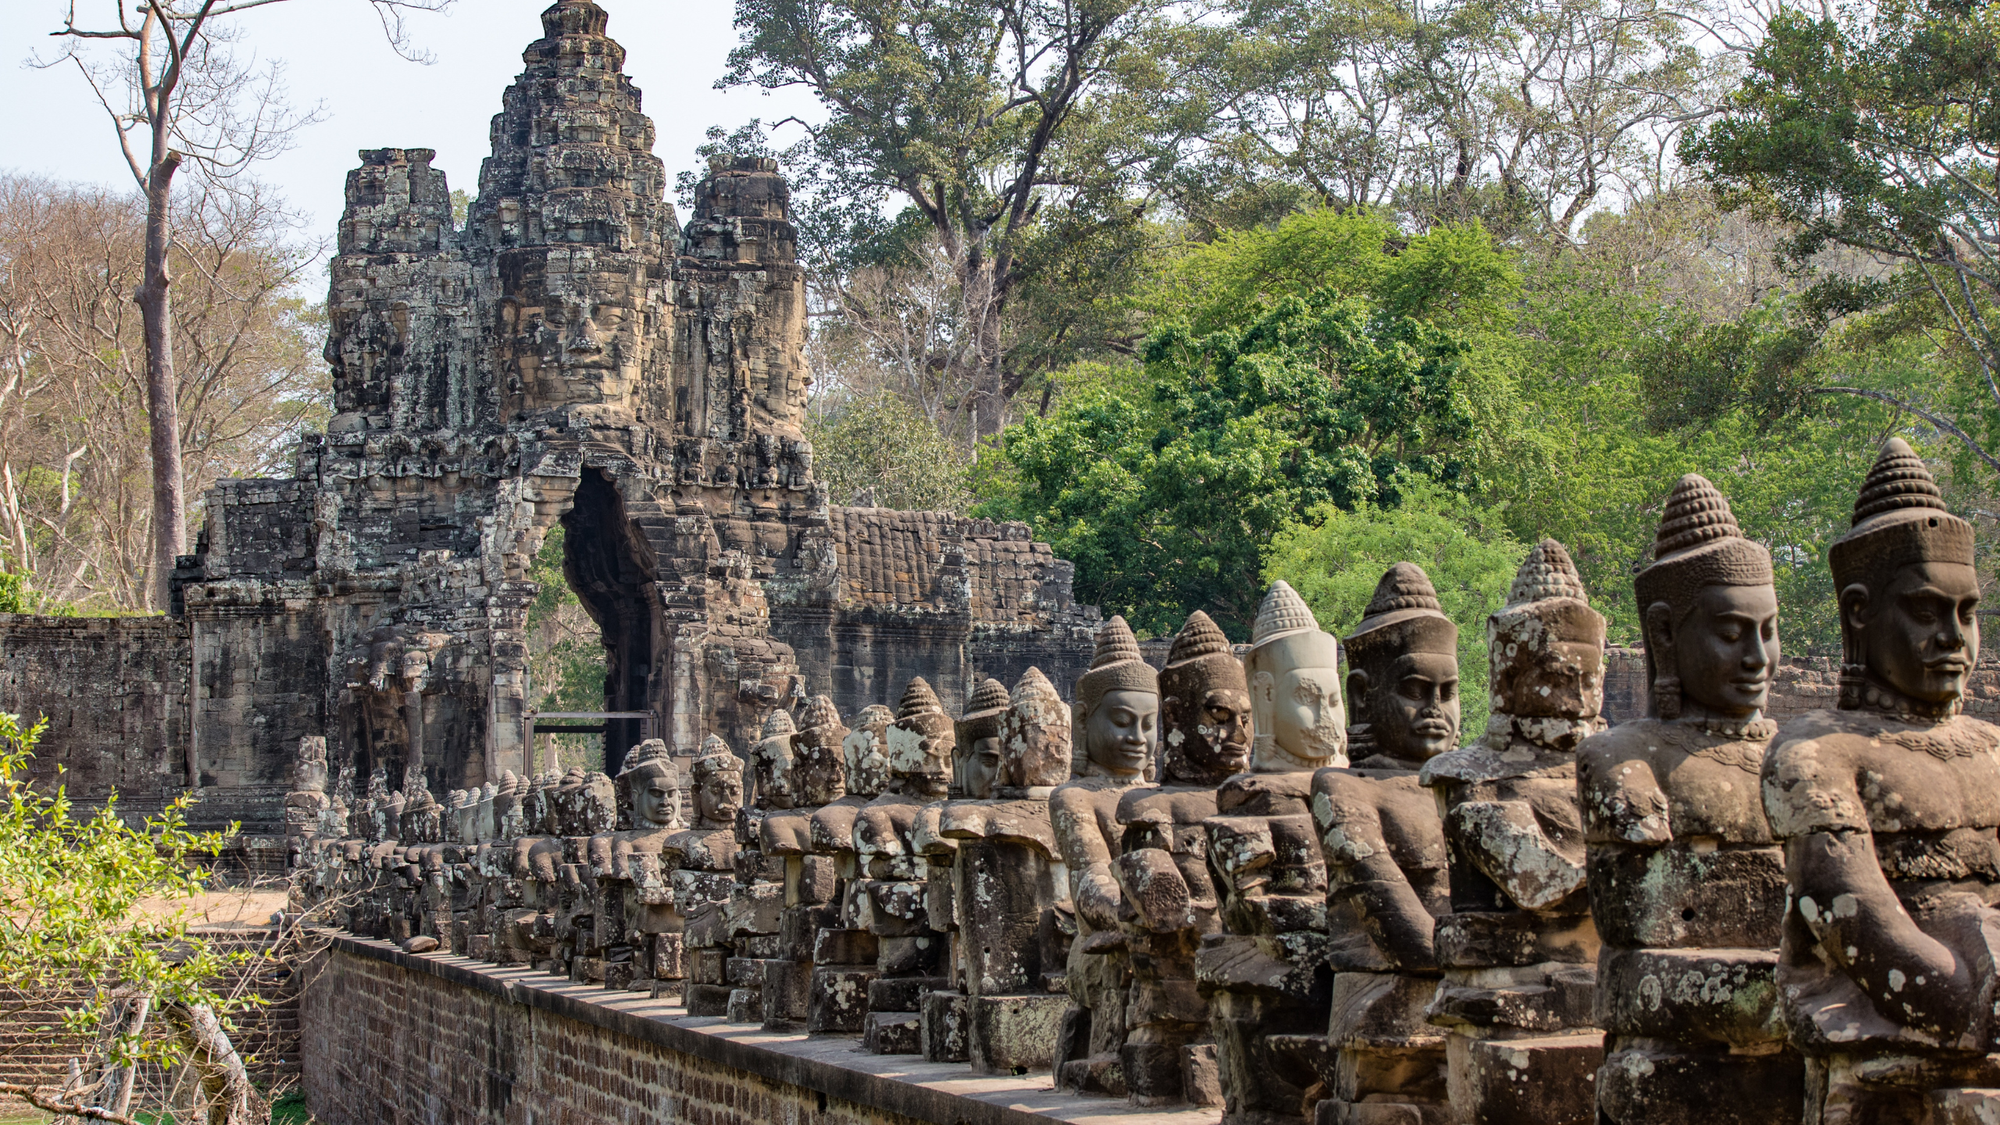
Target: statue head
[(919, 744), (1402, 671), (1908, 592), (651, 786), (596, 808), (976, 757), (819, 772), (1117, 712), (507, 805), (1708, 610), (772, 759), (421, 818), (1546, 648), (1035, 734), (718, 785), (865, 751), (1204, 707), (1293, 670)]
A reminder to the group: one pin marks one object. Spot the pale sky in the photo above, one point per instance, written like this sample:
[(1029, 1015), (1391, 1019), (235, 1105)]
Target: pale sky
[(335, 55)]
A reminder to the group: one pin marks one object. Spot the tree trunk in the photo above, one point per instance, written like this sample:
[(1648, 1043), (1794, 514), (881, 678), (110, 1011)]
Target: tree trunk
[(163, 411), (125, 1019), (232, 1098)]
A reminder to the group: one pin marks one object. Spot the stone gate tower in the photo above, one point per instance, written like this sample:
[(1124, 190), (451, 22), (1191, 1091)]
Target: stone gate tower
[(573, 354)]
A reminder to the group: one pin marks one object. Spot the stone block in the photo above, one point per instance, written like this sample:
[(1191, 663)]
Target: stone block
[(1548, 1080), (1013, 1034), (708, 966), (1201, 1075), (766, 947), (1706, 1087), (798, 931), (845, 947), (839, 999), (787, 989), (707, 999), (755, 909), (810, 880), (668, 957), (916, 954), (891, 1033), (1721, 996), (746, 1005), (945, 1027), (744, 972), (901, 994)]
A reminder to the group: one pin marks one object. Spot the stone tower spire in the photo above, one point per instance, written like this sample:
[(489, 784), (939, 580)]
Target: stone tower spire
[(572, 235)]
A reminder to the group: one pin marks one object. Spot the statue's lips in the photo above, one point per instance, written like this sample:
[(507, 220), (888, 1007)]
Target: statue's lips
[(1950, 666)]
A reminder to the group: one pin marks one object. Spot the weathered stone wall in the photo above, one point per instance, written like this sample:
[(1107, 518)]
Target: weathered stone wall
[(437, 1040), (115, 692)]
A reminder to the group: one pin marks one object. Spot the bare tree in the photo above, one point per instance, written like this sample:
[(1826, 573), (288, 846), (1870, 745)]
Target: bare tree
[(178, 95), (75, 518), (910, 330)]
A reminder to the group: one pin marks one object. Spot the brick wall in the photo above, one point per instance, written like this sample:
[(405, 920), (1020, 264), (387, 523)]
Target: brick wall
[(36, 1049), (439, 1040)]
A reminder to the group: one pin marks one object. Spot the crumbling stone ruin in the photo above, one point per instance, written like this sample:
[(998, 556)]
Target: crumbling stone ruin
[(578, 355)]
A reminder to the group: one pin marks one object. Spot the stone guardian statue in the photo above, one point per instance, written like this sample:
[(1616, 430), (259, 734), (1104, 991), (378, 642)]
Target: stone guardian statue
[(1889, 963), (1518, 949)]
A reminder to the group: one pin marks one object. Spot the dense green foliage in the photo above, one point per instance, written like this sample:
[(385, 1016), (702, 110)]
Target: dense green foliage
[(94, 909), (1873, 137), (878, 447), (1324, 365), (1285, 288), (566, 660)]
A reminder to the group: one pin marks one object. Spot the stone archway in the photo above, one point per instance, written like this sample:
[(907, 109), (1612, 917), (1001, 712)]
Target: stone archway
[(603, 568)]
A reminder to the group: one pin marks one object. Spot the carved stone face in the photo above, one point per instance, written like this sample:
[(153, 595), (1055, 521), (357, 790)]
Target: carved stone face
[(1415, 715), (1213, 738), (1920, 636), (919, 750), (1308, 717), (654, 796), (1726, 648), (1539, 673), (1121, 732), (979, 770), (818, 771), (774, 773), (863, 751), (719, 797)]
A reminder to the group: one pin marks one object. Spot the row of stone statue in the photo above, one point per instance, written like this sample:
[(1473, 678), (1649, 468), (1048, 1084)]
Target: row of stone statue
[(1206, 884)]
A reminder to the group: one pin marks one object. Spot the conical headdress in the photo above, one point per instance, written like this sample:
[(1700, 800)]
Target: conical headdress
[(652, 752), (991, 696), (716, 758), (1698, 545), (779, 722), (1545, 575), (1199, 637), (917, 699), (1403, 616), (1281, 614), (1899, 519), (820, 713), (1117, 666), (982, 715)]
